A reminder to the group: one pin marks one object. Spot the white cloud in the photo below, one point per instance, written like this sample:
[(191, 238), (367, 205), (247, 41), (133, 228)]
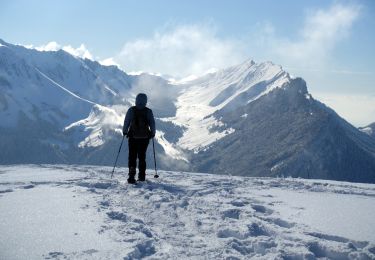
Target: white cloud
[(81, 51), (357, 109), (181, 51), (51, 46), (193, 49), (320, 33), (109, 62)]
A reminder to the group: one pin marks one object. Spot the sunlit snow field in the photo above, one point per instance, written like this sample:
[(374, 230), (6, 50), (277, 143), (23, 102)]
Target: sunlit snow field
[(78, 212)]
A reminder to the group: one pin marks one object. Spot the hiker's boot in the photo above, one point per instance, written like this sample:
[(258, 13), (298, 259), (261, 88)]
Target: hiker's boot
[(132, 173), (141, 175)]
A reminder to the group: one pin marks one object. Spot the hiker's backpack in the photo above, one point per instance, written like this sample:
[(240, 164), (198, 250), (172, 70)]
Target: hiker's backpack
[(139, 126)]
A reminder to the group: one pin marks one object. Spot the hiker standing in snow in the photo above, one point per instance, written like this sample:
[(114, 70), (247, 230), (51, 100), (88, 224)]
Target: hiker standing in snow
[(139, 128)]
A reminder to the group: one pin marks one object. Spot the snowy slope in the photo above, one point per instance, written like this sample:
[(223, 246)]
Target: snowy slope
[(60, 212), (289, 133), (28, 90), (56, 87), (60, 107), (370, 129), (201, 97)]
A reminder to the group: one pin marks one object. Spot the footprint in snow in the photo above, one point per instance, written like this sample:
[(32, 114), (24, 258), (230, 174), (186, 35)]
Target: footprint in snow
[(28, 187), (279, 222), (6, 191), (262, 209), (253, 230), (231, 213), (239, 203), (356, 244), (52, 255), (141, 250), (115, 215), (96, 185)]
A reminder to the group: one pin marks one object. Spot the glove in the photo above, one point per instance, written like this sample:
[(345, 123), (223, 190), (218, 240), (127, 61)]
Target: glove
[(152, 135), (125, 134)]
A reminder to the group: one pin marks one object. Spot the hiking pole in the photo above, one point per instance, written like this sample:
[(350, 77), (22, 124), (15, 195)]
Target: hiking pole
[(119, 150), (153, 148)]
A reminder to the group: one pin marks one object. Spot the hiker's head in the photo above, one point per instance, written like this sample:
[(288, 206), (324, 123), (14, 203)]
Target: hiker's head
[(141, 100)]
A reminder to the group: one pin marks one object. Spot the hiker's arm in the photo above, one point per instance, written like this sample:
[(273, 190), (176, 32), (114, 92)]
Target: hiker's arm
[(128, 119), (151, 121)]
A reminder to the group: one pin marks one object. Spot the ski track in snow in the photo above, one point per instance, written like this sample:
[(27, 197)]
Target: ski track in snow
[(78, 212)]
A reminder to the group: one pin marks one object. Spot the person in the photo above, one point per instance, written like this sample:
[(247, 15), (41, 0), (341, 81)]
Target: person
[(139, 128)]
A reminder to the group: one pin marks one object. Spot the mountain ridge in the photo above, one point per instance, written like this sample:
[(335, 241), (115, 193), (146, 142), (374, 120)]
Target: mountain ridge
[(369, 129), (250, 119)]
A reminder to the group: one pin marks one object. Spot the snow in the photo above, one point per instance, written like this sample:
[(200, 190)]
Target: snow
[(184, 80), (194, 104), (327, 212), (109, 62), (63, 88), (276, 166), (49, 214), (51, 46), (135, 73), (81, 51), (367, 130), (169, 148), (192, 77), (92, 127), (78, 212), (54, 84), (198, 134)]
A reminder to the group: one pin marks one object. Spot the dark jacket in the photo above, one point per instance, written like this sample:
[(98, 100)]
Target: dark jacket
[(140, 103)]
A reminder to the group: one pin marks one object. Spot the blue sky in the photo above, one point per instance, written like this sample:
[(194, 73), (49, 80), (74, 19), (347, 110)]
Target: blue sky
[(328, 43)]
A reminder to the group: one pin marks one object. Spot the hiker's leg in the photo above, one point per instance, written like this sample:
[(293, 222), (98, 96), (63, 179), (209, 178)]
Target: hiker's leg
[(132, 159), (142, 149)]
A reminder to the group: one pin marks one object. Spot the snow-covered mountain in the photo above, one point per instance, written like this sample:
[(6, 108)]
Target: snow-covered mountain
[(224, 90), (78, 212), (287, 132), (370, 129), (251, 119), (55, 107), (256, 120)]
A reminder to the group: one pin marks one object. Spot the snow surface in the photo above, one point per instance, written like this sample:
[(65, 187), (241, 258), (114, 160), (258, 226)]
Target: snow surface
[(65, 212)]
